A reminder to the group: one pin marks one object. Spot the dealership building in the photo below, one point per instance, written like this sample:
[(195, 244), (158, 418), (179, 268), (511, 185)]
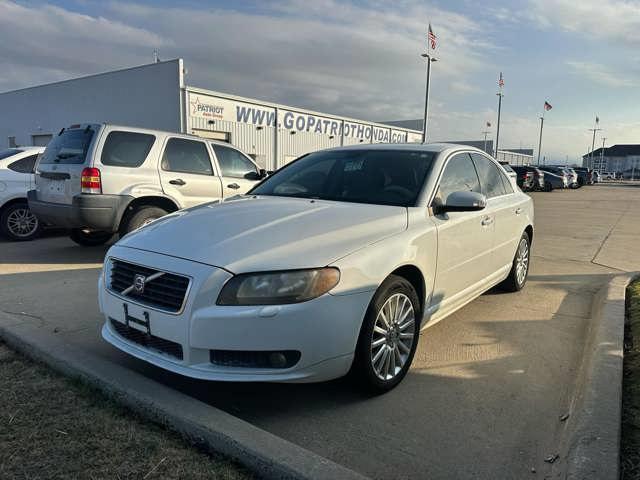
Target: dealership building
[(622, 159), (155, 96)]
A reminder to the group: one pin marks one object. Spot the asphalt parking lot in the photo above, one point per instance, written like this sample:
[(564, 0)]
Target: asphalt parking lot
[(487, 385)]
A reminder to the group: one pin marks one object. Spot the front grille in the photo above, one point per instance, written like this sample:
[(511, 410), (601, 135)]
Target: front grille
[(166, 292), (148, 341), (254, 358)]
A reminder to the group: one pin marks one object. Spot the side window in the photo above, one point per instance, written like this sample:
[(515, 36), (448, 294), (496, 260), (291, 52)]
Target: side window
[(24, 165), (186, 156), (490, 177), (126, 149), (459, 175), (232, 162)]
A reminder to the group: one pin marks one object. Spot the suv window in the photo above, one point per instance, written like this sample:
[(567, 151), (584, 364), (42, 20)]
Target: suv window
[(70, 147), (232, 162), (459, 175), (24, 165), (186, 156), (490, 178), (126, 149)]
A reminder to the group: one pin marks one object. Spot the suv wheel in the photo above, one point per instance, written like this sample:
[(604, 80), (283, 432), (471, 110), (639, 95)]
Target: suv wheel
[(18, 223), (139, 217), (88, 238), (548, 187), (520, 267), (388, 337)]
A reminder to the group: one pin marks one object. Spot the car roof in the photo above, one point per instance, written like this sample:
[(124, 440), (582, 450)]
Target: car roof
[(419, 147)]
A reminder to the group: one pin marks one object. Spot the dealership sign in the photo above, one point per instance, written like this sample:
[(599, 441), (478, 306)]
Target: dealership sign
[(222, 109)]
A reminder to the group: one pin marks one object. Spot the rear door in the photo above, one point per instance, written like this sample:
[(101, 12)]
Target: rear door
[(187, 174), (501, 206), (238, 172), (60, 167)]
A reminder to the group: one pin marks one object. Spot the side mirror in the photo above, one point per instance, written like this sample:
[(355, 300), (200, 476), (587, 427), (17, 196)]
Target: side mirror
[(253, 175), (464, 201), (263, 173)]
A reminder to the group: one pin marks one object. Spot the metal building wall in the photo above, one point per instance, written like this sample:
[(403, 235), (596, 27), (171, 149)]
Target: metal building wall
[(251, 126)]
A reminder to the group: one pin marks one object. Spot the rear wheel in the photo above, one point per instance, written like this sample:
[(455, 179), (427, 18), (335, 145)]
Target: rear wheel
[(140, 217), (520, 266), (88, 238), (18, 223), (548, 187), (388, 337)]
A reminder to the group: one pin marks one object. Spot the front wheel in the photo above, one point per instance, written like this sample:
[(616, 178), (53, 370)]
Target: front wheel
[(388, 337), (88, 238), (18, 223), (520, 266), (548, 187)]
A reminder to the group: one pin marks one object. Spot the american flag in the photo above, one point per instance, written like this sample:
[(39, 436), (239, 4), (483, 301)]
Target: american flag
[(597, 119), (547, 106), (500, 81), (432, 38), (488, 124)]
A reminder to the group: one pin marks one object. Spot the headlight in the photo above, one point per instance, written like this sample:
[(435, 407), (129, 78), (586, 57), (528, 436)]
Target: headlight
[(276, 288)]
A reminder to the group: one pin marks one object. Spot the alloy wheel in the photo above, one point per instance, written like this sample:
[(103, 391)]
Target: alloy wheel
[(393, 336), (22, 223), (522, 261)]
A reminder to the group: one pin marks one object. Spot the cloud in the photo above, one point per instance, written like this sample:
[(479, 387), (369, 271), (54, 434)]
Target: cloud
[(602, 74), (47, 43), (614, 20)]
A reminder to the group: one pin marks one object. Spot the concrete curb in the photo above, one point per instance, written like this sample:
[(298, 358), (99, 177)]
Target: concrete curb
[(265, 454), (592, 437)]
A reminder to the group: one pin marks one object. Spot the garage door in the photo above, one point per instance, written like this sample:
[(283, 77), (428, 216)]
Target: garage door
[(213, 135), (41, 140)]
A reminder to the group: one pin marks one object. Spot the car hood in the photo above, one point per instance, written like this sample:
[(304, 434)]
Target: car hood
[(255, 233)]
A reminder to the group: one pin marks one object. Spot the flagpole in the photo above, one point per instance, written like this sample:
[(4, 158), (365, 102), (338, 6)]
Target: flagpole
[(540, 139), (426, 98), (486, 132), (500, 95), (593, 142)]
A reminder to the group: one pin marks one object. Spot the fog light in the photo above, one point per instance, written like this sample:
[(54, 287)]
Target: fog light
[(277, 360)]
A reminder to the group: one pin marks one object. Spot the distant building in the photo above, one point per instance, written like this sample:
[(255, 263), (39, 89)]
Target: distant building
[(623, 159)]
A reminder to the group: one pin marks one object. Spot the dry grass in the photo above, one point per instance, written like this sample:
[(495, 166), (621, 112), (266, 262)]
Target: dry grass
[(51, 427), (630, 453)]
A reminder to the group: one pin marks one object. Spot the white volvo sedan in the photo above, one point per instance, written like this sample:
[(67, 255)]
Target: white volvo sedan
[(332, 265)]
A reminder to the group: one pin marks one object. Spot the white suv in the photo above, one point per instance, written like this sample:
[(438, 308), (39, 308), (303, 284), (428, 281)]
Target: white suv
[(16, 178), (99, 180)]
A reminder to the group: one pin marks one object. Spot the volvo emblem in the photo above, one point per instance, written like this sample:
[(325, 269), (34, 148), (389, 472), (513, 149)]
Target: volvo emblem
[(138, 284)]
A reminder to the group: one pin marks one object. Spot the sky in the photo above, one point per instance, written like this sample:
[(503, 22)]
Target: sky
[(361, 58)]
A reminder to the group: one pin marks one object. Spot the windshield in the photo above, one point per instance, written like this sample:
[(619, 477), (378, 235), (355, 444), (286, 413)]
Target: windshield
[(68, 148), (383, 177)]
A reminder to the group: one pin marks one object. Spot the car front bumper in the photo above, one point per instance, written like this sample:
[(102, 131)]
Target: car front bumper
[(95, 212), (323, 330)]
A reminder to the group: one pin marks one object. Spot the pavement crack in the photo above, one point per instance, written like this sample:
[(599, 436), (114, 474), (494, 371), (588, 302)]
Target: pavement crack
[(593, 260)]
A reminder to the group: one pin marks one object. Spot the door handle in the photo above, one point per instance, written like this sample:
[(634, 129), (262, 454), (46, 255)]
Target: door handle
[(518, 211), (235, 186), (177, 181), (487, 221)]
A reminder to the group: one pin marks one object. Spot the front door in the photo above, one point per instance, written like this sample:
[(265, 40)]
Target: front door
[(186, 173), (465, 239), (239, 174)]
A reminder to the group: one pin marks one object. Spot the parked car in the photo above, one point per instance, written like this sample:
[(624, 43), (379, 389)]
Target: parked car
[(17, 222), (584, 175), (567, 177), (510, 171), (535, 175), (609, 175), (99, 180), (551, 181), (596, 176), (327, 266)]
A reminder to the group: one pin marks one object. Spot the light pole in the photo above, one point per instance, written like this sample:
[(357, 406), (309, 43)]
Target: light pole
[(540, 139), (426, 95), (593, 141), (602, 155)]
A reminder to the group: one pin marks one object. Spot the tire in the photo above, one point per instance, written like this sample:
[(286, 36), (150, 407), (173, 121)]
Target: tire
[(140, 217), (379, 378), (17, 223), (548, 187), (89, 239), (517, 279)]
